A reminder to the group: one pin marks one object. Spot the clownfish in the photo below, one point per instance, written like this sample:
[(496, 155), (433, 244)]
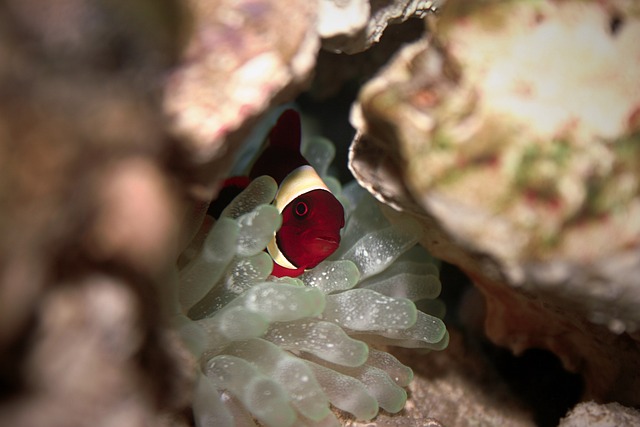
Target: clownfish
[(312, 217)]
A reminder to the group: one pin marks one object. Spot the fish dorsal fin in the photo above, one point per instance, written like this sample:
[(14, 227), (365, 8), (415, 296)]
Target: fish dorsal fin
[(287, 132), (281, 152)]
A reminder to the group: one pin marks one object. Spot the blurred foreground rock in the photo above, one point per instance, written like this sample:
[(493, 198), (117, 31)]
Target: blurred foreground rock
[(89, 214), (242, 57), (514, 136)]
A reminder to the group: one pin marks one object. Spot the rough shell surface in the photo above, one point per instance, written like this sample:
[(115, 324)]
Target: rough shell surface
[(524, 169), (355, 25), (239, 60)]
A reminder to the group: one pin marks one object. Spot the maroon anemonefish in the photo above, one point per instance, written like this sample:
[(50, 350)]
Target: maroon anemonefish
[(311, 215)]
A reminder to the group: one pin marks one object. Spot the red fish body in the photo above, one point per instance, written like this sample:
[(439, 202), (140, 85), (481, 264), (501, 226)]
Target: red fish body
[(311, 215)]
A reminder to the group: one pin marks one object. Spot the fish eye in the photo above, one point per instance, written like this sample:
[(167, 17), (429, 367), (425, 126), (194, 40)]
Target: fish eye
[(301, 209)]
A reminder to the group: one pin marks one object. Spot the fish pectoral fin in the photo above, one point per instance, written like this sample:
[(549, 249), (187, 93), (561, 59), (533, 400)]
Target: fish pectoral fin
[(280, 271)]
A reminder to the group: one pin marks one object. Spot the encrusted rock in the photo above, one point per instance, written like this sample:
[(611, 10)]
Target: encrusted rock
[(454, 388), (514, 135), (352, 26), (342, 18), (241, 58), (595, 415)]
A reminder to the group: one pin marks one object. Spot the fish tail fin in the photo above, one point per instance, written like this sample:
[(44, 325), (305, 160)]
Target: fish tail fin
[(237, 181), (287, 132)]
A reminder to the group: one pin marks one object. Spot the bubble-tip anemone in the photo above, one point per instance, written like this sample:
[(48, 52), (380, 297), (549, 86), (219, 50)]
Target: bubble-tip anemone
[(280, 352)]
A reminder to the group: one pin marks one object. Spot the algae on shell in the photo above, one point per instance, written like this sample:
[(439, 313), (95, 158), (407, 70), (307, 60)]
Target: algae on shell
[(514, 133)]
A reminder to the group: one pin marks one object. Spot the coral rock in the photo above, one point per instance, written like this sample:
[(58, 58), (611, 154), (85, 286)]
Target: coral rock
[(595, 415), (454, 388), (502, 136), (355, 25), (241, 58)]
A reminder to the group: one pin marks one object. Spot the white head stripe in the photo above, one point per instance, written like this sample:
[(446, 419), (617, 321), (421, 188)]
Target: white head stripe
[(278, 257), (298, 182)]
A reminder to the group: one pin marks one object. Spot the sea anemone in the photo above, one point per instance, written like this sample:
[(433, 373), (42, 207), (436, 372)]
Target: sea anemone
[(282, 351)]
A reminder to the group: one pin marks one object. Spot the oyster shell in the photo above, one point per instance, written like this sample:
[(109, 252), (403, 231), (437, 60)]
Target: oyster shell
[(355, 25), (514, 135)]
